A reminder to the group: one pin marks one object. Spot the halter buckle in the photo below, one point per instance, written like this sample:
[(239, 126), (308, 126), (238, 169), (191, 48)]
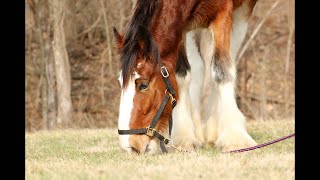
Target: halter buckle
[(164, 71), (173, 100), (150, 131)]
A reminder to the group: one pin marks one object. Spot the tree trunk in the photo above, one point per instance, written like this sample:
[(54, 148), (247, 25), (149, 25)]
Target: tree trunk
[(51, 95), (133, 3), (62, 66), (287, 59), (48, 87)]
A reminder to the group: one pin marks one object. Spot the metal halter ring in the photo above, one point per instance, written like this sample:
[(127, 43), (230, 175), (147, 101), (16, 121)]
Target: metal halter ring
[(167, 141)]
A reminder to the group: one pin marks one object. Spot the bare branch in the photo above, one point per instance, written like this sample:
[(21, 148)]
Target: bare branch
[(256, 30), (106, 23), (90, 27)]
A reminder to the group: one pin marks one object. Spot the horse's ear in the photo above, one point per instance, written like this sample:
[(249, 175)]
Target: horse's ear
[(119, 38)]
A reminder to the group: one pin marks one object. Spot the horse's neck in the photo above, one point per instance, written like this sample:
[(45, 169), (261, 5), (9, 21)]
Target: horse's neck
[(168, 29)]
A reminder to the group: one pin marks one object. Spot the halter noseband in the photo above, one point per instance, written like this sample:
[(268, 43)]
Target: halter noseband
[(150, 130)]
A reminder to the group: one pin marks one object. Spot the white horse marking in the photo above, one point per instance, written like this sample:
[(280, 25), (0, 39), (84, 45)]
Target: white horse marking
[(126, 105)]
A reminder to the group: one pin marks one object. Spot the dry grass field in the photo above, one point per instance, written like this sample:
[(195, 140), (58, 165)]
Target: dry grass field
[(95, 154)]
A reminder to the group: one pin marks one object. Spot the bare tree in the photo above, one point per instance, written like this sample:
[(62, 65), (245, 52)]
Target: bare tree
[(62, 66), (287, 59), (48, 93)]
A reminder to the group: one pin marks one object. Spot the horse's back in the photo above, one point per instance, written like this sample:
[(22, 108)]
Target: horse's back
[(205, 11)]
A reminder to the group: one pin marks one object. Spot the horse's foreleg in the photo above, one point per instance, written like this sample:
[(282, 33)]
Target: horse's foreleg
[(183, 128), (230, 122), (196, 82)]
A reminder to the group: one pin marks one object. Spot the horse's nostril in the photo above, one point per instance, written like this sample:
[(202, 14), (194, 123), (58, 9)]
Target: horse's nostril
[(135, 150)]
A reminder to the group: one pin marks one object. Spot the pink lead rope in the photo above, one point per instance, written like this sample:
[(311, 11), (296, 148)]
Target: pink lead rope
[(262, 145)]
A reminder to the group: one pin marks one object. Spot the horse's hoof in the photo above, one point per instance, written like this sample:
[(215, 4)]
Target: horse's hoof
[(233, 140)]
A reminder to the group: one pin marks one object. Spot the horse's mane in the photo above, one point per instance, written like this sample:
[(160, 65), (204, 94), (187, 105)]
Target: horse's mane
[(138, 30)]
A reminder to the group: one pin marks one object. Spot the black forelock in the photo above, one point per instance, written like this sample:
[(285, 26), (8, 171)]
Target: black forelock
[(138, 30)]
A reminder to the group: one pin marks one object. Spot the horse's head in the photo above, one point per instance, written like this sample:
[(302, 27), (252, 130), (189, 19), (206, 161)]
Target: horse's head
[(144, 88)]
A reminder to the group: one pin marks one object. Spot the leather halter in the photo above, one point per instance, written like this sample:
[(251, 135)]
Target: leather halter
[(150, 130)]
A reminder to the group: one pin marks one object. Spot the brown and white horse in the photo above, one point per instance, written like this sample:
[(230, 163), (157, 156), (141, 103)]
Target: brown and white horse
[(164, 55)]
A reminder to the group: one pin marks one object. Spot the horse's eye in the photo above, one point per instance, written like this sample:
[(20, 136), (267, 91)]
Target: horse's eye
[(143, 86)]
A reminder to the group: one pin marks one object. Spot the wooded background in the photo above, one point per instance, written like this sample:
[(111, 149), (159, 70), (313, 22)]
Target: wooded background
[(71, 65)]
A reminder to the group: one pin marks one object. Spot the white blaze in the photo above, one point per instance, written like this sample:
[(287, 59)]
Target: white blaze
[(126, 105)]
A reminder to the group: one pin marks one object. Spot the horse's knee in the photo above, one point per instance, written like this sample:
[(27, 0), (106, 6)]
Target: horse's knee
[(221, 31), (221, 65)]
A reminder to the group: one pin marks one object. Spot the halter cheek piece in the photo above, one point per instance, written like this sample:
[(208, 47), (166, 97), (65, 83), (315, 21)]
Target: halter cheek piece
[(150, 130)]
